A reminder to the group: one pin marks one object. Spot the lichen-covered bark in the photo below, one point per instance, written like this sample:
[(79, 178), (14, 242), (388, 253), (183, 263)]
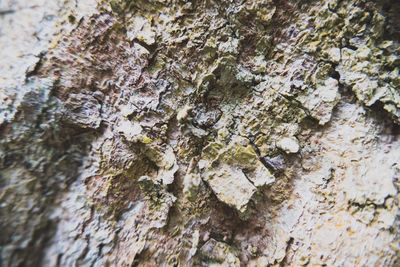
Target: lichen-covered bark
[(198, 133)]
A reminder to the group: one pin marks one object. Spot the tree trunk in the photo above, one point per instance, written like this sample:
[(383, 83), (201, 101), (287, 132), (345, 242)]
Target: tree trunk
[(199, 133)]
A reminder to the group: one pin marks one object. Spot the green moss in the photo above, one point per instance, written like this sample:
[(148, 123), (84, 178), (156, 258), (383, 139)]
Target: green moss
[(212, 150)]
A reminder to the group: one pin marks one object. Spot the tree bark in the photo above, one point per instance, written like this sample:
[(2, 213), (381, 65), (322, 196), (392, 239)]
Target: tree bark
[(199, 133)]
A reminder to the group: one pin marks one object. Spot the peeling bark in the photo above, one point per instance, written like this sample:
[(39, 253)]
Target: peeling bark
[(198, 133)]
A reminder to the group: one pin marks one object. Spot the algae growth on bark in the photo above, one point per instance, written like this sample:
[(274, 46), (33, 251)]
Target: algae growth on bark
[(199, 133)]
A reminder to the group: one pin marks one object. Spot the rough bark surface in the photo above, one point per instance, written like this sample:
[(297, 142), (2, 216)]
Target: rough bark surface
[(199, 133)]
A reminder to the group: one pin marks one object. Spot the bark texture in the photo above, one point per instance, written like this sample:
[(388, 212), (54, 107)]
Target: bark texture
[(199, 133)]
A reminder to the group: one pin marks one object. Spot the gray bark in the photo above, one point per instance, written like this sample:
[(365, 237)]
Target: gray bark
[(199, 133)]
